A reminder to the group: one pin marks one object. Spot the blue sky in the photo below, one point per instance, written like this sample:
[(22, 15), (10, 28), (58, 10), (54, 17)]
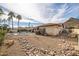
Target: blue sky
[(42, 12)]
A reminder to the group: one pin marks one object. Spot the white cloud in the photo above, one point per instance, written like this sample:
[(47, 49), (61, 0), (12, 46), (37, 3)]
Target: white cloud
[(27, 10), (41, 12), (59, 16)]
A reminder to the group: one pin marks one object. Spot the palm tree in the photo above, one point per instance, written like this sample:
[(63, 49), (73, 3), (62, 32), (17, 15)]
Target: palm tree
[(9, 19), (1, 13), (29, 24), (19, 18), (11, 15), (4, 21)]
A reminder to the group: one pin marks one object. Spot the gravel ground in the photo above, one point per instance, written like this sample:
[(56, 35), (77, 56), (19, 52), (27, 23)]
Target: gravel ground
[(33, 45)]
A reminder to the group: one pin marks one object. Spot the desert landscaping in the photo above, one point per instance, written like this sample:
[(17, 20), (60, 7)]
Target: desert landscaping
[(37, 45), (26, 36)]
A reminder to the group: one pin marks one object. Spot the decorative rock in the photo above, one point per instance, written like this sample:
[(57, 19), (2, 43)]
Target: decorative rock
[(63, 41), (68, 54), (74, 53), (65, 49), (9, 43), (3, 54), (60, 44), (51, 53)]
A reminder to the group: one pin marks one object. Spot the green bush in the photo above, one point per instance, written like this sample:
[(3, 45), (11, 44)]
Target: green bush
[(1, 39), (2, 34)]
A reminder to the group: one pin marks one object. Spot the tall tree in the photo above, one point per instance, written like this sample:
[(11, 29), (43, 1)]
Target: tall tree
[(19, 18), (4, 21), (29, 24), (11, 15), (9, 19), (1, 13)]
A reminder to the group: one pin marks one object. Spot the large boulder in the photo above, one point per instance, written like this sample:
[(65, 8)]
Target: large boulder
[(9, 43)]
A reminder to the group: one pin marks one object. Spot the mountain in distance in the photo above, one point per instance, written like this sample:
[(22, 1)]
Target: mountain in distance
[(72, 22)]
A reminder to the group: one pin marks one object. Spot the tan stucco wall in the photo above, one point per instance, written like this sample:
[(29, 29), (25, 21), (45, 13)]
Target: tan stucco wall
[(52, 30)]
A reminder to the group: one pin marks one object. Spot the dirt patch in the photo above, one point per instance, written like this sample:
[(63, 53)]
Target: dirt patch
[(35, 45)]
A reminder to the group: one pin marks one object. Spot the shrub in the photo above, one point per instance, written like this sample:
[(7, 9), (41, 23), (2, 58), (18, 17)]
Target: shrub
[(2, 34)]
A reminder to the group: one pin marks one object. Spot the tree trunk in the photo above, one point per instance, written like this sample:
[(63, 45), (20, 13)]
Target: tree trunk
[(0, 21), (18, 25), (4, 21), (29, 24), (12, 23), (8, 23)]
